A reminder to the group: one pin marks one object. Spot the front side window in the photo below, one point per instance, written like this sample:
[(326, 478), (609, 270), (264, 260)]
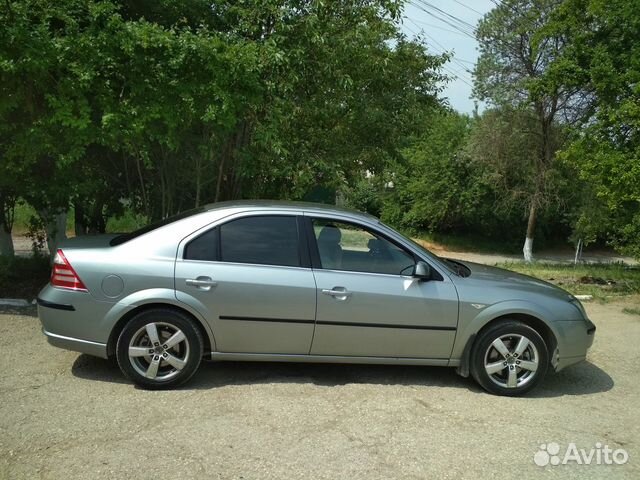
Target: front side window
[(345, 246)]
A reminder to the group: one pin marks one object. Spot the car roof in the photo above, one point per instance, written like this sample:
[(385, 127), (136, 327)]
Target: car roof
[(287, 205)]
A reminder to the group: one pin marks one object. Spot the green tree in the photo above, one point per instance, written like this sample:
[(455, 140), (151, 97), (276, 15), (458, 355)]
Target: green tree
[(435, 188), (160, 106), (515, 69), (504, 145), (603, 59)]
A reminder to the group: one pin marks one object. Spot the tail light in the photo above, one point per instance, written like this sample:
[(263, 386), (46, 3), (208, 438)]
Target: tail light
[(64, 276)]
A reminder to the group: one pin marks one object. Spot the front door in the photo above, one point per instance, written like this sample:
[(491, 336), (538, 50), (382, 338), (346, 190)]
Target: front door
[(369, 305), (250, 278)]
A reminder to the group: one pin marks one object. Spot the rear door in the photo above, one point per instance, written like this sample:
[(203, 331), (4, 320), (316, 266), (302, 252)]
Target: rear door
[(368, 302), (251, 278)]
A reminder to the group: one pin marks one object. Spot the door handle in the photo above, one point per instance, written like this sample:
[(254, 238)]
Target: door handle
[(203, 283), (339, 293)]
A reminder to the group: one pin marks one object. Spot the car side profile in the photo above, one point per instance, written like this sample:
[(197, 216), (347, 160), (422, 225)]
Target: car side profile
[(298, 282)]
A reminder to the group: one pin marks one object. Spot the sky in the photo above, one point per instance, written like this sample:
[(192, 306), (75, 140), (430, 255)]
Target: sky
[(440, 34)]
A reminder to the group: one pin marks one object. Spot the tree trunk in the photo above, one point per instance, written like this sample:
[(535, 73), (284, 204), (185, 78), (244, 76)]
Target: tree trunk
[(221, 166), (56, 227), (79, 220), (7, 209), (527, 250), (6, 242), (198, 181)]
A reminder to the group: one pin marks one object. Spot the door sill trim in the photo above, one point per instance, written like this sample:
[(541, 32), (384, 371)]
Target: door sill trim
[(281, 357)]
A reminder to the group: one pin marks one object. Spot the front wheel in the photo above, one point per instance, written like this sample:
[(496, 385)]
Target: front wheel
[(159, 348), (509, 358)]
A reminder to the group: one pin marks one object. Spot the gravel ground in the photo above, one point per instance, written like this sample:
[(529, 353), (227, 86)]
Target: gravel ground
[(65, 415)]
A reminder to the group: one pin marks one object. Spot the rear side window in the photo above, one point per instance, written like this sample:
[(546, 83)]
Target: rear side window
[(268, 240), (264, 240)]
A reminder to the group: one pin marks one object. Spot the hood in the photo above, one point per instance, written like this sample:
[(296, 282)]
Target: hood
[(499, 277)]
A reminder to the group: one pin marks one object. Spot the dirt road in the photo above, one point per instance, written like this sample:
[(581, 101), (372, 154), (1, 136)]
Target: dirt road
[(70, 416)]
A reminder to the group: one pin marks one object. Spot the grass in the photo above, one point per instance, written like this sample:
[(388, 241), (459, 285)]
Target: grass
[(631, 311), (128, 222), (23, 277), (599, 280), (23, 214)]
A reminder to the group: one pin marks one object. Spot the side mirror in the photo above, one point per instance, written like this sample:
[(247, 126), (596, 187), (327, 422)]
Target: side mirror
[(422, 271)]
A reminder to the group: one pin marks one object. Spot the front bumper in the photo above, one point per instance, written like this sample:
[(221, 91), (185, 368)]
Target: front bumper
[(574, 339)]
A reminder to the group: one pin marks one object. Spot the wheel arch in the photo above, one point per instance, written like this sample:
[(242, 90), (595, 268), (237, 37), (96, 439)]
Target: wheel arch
[(539, 325), (124, 319)]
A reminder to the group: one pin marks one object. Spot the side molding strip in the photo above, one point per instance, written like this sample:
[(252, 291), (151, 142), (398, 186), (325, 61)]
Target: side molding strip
[(338, 324)]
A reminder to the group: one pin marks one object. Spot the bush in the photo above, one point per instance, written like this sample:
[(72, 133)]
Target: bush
[(23, 277)]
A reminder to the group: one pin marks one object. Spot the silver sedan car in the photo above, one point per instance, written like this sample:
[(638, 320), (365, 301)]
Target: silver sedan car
[(297, 282)]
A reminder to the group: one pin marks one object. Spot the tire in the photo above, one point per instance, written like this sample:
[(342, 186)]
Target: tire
[(159, 349), (499, 356)]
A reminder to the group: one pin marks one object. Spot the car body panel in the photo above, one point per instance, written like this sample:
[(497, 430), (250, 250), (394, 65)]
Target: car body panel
[(149, 270), (262, 357), (490, 293), (253, 308), (384, 316)]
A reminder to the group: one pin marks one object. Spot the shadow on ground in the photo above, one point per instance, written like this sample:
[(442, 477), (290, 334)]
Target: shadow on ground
[(582, 379), (30, 311)]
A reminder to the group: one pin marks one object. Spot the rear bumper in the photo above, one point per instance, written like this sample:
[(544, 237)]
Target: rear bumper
[(76, 344), (74, 320)]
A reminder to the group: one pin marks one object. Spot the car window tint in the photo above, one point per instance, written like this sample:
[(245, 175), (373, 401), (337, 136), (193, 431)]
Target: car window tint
[(204, 247), (268, 240), (344, 246)]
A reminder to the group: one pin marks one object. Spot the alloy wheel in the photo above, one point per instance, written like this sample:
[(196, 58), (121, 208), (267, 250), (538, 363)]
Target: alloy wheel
[(511, 361), (158, 351)]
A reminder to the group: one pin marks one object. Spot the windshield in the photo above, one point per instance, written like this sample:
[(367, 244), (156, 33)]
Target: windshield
[(448, 264), (125, 237)]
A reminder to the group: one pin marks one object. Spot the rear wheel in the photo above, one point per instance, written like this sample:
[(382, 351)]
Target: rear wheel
[(509, 358), (159, 348)]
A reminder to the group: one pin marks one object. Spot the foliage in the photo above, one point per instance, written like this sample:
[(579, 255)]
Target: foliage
[(155, 107), (516, 69), (23, 277), (604, 57), (123, 112), (436, 187), (366, 195), (470, 176)]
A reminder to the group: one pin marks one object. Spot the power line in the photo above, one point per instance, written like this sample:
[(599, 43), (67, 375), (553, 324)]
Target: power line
[(448, 68), (463, 23), (463, 29), (438, 27), (469, 8), (453, 58)]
